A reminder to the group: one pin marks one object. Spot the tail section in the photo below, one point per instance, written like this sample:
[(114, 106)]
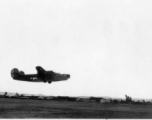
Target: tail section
[(40, 70)]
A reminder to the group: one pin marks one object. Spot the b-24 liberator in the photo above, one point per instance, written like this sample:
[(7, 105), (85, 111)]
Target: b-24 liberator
[(41, 76)]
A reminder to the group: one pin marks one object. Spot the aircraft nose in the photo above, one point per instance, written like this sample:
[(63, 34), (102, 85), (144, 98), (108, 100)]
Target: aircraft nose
[(68, 76)]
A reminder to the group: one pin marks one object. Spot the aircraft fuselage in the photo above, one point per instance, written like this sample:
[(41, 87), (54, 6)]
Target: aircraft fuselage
[(41, 76)]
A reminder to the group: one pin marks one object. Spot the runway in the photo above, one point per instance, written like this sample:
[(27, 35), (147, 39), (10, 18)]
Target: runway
[(26, 108)]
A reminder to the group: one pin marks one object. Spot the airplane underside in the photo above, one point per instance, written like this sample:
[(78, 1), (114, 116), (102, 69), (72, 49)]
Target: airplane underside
[(32, 80), (35, 79)]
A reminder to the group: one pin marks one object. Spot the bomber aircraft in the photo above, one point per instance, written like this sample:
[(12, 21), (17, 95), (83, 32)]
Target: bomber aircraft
[(41, 76)]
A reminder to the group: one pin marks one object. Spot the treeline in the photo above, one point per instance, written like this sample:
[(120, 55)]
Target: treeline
[(127, 100)]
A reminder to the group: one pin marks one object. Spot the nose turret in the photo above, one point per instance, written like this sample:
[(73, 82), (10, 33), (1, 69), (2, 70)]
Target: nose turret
[(68, 76)]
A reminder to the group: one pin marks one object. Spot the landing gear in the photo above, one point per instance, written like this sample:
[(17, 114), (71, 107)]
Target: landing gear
[(49, 82), (45, 80)]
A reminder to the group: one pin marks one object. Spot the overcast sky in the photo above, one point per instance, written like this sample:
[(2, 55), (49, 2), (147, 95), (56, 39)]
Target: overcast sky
[(105, 45)]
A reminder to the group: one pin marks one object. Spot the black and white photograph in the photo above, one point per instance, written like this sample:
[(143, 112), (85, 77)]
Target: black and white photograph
[(76, 59)]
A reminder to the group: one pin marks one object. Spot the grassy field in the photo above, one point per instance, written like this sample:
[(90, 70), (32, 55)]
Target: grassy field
[(24, 108)]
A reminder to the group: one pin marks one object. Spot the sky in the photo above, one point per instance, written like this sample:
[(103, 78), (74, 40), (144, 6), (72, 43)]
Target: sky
[(105, 45)]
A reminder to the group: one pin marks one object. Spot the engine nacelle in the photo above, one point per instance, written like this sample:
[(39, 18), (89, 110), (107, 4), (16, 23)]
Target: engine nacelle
[(14, 72), (21, 73)]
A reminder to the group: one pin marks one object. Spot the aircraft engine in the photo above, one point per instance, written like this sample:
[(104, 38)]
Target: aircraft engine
[(21, 73), (14, 72)]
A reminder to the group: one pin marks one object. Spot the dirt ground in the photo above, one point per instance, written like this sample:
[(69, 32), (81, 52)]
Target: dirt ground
[(25, 108)]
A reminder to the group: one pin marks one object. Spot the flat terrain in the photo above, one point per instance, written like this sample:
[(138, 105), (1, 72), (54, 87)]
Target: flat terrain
[(25, 108)]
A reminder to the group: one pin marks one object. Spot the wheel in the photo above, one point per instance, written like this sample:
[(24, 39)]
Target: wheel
[(49, 82)]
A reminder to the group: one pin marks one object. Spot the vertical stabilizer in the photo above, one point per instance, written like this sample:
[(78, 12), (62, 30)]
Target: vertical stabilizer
[(14, 73)]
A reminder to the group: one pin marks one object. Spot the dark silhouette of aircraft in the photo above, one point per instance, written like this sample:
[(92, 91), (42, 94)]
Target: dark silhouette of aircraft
[(41, 76)]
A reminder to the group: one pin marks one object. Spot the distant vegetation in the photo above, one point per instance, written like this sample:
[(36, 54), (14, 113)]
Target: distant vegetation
[(127, 100)]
